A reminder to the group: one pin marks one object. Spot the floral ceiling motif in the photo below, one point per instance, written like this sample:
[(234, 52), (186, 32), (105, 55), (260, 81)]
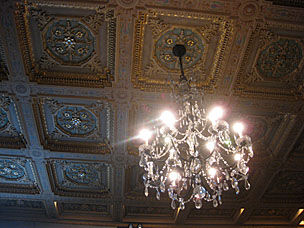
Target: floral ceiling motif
[(75, 120), (189, 38), (82, 173), (11, 170), (69, 41), (3, 118), (279, 58)]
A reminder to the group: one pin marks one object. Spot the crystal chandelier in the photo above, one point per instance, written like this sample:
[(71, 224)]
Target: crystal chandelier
[(194, 156)]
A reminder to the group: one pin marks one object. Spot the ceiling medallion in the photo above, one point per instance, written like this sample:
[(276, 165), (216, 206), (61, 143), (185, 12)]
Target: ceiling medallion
[(194, 156), (186, 37), (279, 58), (76, 120), (69, 41)]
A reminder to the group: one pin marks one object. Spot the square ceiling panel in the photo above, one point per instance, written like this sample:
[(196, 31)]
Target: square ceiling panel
[(65, 125), (286, 187), (80, 179), (272, 66), (64, 46), (17, 175), (11, 135), (207, 40)]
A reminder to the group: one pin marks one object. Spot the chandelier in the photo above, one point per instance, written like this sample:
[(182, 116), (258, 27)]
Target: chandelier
[(193, 155)]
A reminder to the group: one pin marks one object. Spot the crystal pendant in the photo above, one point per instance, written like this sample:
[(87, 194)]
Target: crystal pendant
[(162, 187), (146, 191), (215, 203), (198, 203), (220, 200), (247, 185), (173, 204), (225, 186), (237, 190), (182, 206), (158, 195)]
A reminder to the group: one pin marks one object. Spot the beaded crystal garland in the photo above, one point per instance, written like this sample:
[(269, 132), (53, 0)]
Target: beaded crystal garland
[(194, 156)]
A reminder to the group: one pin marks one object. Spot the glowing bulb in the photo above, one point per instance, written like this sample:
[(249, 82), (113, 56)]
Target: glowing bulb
[(237, 157), (168, 118), (210, 145), (167, 140), (215, 114), (174, 176), (238, 128), (212, 172), (145, 134)]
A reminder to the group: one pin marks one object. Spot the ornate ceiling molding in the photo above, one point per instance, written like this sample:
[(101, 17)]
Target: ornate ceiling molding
[(77, 50)]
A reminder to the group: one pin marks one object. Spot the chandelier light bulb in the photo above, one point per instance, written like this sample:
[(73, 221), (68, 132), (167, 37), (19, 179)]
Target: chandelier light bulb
[(168, 118), (210, 146), (145, 134), (216, 114), (237, 157), (238, 128), (167, 140), (174, 176), (212, 172)]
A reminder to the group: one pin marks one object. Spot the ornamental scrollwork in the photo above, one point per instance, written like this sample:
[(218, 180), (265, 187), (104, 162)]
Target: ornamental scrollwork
[(157, 26), (189, 38), (45, 62), (96, 20), (41, 17), (69, 41), (279, 58), (209, 30)]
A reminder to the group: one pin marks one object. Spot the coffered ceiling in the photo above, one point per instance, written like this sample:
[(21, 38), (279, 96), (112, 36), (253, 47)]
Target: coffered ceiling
[(78, 79)]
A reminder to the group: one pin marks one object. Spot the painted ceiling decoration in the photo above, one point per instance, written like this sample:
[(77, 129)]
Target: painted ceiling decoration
[(79, 78)]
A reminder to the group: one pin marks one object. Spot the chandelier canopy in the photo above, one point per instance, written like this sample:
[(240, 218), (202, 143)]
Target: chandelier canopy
[(194, 156)]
